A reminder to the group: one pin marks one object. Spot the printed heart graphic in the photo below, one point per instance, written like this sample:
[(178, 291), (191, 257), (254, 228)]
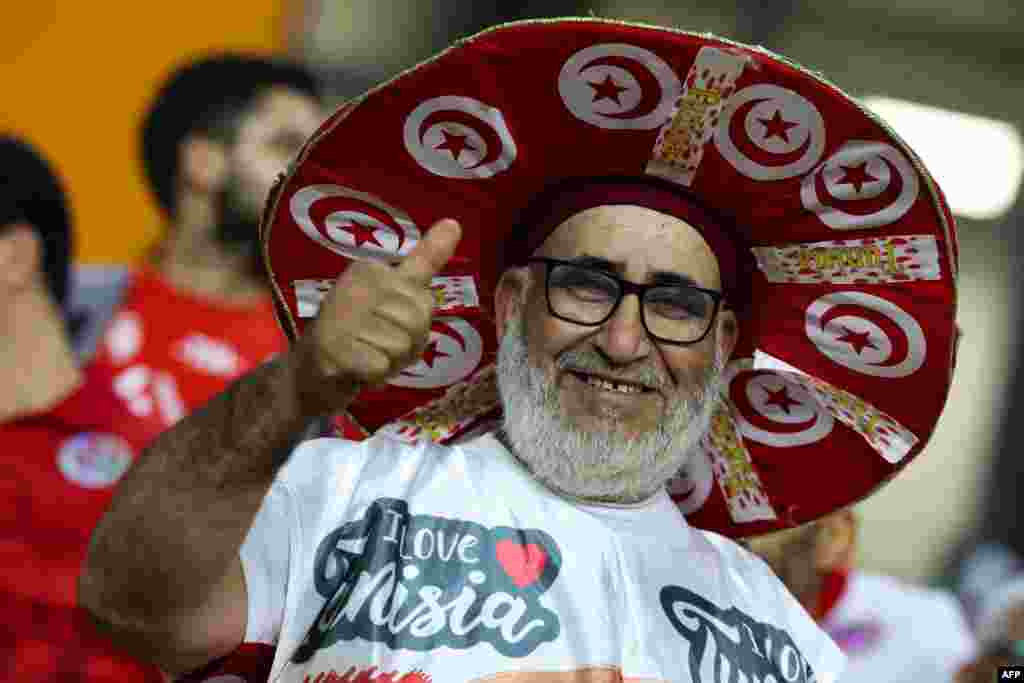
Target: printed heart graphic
[(523, 563)]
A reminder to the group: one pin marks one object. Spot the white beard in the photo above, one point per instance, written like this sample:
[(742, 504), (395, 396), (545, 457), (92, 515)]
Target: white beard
[(597, 465)]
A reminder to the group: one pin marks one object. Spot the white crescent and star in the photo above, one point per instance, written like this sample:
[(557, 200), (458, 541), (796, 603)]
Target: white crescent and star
[(454, 350), (776, 400), (352, 231), (459, 137), (844, 190), (619, 86), (769, 133), (854, 341)]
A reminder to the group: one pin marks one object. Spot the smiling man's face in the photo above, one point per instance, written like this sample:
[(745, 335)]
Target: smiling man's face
[(606, 411)]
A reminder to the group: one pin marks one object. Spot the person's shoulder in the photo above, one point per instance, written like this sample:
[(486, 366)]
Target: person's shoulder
[(315, 460), (734, 554), (750, 577), (321, 472), (756, 591), (323, 454)]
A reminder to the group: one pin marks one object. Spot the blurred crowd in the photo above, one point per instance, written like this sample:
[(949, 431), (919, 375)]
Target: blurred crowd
[(93, 368), (88, 384)]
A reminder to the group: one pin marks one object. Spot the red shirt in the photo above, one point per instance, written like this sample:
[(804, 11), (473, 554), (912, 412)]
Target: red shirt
[(169, 351), (57, 473)]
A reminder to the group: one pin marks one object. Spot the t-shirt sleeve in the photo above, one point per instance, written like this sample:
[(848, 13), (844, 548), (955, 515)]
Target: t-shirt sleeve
[(265, 556), (820, 652)]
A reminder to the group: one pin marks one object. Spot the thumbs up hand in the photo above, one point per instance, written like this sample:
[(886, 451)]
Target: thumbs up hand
[(376, 320)]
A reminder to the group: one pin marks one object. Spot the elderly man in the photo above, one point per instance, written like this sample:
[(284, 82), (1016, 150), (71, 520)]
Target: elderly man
[(595, 411), (548, 549)]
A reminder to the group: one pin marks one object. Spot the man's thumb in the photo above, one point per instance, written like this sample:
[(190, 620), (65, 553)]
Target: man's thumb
[(433, 251)]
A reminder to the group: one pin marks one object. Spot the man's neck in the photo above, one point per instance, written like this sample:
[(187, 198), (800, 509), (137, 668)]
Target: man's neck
[(204, 268), (37, 366)]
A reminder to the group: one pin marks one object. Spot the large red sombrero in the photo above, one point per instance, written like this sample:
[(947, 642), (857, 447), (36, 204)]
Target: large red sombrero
[(847, 350)]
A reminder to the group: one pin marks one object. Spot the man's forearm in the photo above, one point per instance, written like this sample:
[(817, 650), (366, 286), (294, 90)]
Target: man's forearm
[(178, 519)]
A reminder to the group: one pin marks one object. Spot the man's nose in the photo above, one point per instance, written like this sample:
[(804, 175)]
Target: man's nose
[(623, 338)]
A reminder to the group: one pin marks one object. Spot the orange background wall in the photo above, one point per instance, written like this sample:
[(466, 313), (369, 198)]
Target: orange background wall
[(76, 77)]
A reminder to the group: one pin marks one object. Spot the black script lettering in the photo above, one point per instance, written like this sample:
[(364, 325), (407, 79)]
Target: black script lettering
[(728, 645)]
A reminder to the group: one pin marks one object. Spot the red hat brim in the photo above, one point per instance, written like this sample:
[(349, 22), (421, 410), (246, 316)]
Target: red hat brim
[(848, 343)]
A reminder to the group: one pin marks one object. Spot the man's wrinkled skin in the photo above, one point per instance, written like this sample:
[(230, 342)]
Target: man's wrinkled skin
[(584, 441)]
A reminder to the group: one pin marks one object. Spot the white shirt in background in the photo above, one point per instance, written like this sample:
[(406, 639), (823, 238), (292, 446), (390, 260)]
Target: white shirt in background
[(893, 632)]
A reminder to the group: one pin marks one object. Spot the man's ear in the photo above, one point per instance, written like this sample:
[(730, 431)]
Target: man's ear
[(507, 297), (836, 542), (728, 333), (21, 256), (203, 163)]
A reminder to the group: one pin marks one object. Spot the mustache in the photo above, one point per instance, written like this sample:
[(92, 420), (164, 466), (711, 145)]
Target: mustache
[(590, 361)]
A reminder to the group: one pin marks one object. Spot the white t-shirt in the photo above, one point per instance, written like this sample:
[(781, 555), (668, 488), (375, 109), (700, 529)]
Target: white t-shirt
[(898, 633), (452, 564)]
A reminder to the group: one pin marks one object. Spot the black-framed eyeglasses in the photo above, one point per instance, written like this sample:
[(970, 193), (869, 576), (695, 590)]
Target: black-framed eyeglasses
[(671, 313)]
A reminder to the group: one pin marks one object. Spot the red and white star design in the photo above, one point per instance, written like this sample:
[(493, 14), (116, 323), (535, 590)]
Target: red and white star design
[(777, 126)]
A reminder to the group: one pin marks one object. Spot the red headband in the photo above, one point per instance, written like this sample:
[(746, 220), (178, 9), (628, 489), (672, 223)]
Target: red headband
[(558, 204)]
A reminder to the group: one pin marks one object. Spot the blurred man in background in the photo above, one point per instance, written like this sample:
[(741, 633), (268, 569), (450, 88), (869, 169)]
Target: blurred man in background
[(218, 133), (986, 567), (987, 571), (889, 631), (64, 445)]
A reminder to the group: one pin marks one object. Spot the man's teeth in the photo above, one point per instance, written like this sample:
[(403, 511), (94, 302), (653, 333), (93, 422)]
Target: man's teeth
[(613, 386)]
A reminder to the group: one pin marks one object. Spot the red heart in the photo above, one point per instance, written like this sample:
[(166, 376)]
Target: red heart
[(523, 564)]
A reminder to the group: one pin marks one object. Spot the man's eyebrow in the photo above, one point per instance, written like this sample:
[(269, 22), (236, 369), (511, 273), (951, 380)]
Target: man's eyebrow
[(597, 263), (668, 277), (661, 277)]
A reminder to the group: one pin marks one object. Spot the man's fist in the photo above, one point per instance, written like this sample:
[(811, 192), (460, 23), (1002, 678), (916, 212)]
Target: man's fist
[(376, 319)]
